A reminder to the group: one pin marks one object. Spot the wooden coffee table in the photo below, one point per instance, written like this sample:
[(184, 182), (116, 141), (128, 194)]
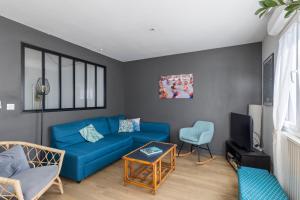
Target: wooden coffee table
[(149, 171)]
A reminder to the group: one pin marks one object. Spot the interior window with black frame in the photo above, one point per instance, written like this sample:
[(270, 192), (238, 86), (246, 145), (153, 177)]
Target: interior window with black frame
[(57, 82)]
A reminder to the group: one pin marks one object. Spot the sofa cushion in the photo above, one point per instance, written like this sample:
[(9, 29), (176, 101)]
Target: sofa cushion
[(87, 152), (68, 134), (136, 124), (13, 161), (90, 134), (33, 180), (101, 125), (114, 123), (126, 125)]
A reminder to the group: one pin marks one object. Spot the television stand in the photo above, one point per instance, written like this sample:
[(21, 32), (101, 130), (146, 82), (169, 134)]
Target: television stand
[(239, 157)]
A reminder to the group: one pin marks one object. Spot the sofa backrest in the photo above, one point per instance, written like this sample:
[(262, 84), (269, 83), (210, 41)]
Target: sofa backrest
[(155, 127), (100, 124), (114, 122), (67, 134)]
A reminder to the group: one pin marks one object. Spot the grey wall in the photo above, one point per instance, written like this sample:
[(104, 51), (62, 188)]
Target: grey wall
[(15, 125), (226, 80), (269, 46)]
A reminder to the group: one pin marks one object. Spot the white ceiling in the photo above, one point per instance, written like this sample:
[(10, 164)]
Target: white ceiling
[(121, 27)]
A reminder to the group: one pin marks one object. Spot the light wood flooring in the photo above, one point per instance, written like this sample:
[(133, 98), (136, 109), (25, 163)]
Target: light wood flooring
[(215, 180)]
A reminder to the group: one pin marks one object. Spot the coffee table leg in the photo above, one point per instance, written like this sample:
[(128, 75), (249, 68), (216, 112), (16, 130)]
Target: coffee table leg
[(131, 170), (154, 166), (125, 172), (159, 169), (174, 158)]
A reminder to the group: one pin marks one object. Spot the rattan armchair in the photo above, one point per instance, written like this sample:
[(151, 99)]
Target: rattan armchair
[(37, 156)]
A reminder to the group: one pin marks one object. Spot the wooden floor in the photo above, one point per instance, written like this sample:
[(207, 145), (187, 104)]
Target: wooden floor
[(215, 180)]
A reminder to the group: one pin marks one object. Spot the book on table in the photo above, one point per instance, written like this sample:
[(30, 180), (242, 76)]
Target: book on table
[(149, 151)]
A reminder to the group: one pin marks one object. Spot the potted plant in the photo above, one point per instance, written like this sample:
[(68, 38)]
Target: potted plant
[(290, 6)]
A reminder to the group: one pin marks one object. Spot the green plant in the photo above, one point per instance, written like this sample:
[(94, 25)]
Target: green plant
[(291, 6)]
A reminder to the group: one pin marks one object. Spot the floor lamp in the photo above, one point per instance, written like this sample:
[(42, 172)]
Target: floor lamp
[(42, 89)]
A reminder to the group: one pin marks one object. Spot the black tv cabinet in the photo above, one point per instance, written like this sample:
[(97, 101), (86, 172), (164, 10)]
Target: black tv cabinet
[(256, 159)]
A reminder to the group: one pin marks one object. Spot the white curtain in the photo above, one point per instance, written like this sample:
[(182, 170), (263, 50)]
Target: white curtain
[(286, 62)]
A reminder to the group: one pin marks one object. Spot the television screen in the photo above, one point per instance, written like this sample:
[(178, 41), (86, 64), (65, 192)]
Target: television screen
[(241, 131)]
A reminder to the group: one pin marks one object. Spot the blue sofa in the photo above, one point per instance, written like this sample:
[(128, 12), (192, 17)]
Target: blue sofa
[(83, 158)]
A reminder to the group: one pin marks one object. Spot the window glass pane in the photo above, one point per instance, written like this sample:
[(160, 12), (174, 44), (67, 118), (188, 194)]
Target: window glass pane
[(52, 74), (90, 85), (66, 83), (100, 87), (32, 71), (79, 85)]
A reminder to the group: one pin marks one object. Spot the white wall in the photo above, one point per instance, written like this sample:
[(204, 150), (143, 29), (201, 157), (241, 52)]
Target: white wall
[(269, 46)]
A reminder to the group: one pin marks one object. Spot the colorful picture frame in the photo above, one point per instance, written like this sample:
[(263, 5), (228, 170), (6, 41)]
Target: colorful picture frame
[(176, 86)]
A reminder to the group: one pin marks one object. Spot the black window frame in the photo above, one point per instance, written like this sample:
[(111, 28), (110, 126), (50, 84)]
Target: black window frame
[(74, 59)]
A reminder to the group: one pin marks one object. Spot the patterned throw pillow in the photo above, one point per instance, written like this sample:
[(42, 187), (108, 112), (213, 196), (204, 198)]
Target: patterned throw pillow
[(125, 126), (136, 124), (90, 133)]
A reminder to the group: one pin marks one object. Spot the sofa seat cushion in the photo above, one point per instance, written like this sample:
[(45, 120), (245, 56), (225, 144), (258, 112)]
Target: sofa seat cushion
[(190, 138), (33, 180), (145, 137), (87, 152)]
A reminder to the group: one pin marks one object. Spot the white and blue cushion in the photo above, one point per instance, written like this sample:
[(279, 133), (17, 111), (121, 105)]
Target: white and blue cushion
[(136, 124), (90, 134), (126, 126)]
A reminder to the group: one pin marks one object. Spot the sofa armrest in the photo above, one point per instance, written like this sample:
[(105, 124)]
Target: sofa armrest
[(155, 127), (10, 189)]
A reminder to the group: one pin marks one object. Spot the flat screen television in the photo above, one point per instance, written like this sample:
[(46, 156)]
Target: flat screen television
[(241, 131)]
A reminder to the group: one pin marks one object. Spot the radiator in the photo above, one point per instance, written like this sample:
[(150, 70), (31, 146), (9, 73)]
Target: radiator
[(294, 169)]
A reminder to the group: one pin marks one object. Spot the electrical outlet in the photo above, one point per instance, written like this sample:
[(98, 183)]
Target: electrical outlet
[(10, 106)]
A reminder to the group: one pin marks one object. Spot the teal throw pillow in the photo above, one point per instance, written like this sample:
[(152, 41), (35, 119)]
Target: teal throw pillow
[(90, 133)]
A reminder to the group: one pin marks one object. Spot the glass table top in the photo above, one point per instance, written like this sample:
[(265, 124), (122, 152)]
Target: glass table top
[(138, 155)]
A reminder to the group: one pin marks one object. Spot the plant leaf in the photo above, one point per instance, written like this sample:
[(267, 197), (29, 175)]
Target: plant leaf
[(288, 13), (270, 3), (262, 4), (262, 14), (281, 2), (292, 6), (259, 10)]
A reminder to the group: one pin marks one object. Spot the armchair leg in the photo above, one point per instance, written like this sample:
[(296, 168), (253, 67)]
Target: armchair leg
[(209, 150), (60, 185), (184, 154), (207, 160), (198, 149), (182, 143)]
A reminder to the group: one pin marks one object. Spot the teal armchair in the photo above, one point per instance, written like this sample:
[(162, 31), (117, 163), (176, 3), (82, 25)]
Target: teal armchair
[(200, 134)]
